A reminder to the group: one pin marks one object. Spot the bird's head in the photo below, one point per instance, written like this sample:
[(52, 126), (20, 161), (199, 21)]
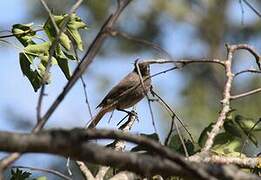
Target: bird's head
[(144, 68)]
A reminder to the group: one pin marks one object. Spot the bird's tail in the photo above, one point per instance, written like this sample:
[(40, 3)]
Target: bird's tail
[(96, 119)]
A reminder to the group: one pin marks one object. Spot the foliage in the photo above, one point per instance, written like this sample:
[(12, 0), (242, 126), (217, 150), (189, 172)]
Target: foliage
[(236, 132), (23, 175), (33, 51)]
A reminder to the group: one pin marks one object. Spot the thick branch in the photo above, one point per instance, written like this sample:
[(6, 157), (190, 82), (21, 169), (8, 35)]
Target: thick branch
[(245, 162), (73, 143)]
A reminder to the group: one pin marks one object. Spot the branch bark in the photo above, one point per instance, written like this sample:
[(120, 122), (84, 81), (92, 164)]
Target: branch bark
[(74, 144), (227, 91)]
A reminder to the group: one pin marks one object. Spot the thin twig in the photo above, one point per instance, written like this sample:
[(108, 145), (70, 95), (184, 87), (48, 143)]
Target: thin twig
[(50, 16), (184, 62), (242, 12), (181, 139), (247, 71), (49, 61), (252, 7), (55, 43), (166, 142), (68, 166), (173, 114), (51, 171), (85, 171), (83, 82), (144, 89), (39, 104), (248, 93), (51, 52), (250, 49), (16, 34), (109, 120), (248, 133), (163, 72), (155, 46)]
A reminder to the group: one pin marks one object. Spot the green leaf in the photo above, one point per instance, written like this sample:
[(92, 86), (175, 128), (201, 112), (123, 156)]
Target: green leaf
[(63, 63), (177, 146), (244, 123), (252, 138), (204, 135), (44, 59), (69, 56), (247, 123), (77, 38), (38, 49), (76, 22), (24, 33), (65, 41), (248, 126), (232, 128), (41, 178), (223, 138), (74, 25), (33, 76), (51, 33), (49, 28), (19, 174), (227, 144)]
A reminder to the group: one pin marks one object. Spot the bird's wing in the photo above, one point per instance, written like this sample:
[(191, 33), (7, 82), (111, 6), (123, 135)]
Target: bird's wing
[(129, 81)]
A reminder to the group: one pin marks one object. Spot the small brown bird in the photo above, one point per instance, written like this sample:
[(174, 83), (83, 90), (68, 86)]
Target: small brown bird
[(126, 93)]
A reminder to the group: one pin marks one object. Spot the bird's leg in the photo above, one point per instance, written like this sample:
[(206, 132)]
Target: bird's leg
[(133, 113), (128, 112)]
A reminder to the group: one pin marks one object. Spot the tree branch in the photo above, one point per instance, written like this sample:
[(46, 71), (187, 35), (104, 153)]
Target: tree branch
[(155, 46), (248, 71), (248, 93), (227, 91), (75, 144), (245, 162)]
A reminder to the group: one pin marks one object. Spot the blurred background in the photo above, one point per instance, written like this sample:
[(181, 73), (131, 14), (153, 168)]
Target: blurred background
[(186, 29)]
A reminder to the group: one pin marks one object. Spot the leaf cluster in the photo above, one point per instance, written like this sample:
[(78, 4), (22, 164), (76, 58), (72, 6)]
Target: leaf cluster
[(35, 70), (23, 175)]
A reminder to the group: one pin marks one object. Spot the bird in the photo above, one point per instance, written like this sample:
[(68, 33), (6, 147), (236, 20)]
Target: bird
[(128, 92)]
